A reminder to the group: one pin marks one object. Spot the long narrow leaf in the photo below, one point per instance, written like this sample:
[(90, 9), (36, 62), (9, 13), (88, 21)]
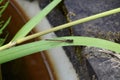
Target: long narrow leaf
[(5, 25), (4, 7), (2, 40), (27, 49), (35, 20)]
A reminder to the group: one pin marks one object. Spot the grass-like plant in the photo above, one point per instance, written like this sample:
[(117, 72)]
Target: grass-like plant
[(26, 49), (3, 24)]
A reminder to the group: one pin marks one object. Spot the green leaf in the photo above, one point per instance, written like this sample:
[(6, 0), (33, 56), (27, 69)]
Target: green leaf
[(1, 1), (35, 20), (27, 49), (3, 8), (5, 25), (2, 41)]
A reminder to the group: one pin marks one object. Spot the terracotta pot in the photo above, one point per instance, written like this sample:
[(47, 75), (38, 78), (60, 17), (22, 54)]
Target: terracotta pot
[(31, 67)]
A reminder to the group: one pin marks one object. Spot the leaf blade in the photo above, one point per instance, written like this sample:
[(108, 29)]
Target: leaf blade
[(35, 20), (27, 49)]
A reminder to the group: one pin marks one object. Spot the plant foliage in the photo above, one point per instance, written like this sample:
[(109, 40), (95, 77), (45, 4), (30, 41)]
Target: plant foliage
[(26, 49), (3, 24)]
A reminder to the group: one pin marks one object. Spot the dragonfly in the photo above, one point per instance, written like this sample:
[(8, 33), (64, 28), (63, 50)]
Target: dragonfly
[(66, 40)]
